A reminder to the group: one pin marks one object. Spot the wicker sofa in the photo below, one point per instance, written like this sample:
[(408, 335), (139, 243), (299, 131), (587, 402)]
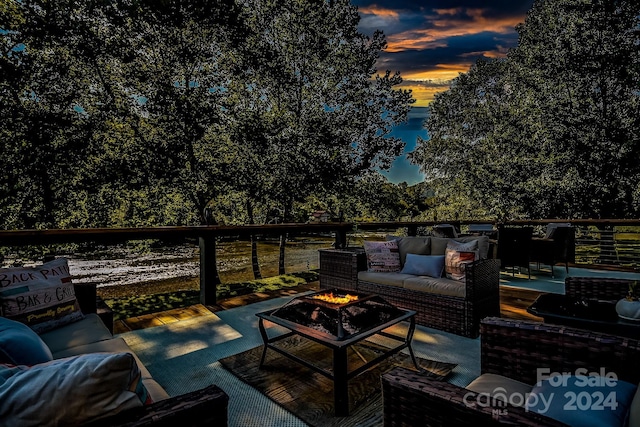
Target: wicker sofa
[(515, 350), (69, 368), (437, 306)]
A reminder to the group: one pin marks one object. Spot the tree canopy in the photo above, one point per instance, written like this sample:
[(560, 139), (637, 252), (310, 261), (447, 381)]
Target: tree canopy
[(146, 112), (552, 129)]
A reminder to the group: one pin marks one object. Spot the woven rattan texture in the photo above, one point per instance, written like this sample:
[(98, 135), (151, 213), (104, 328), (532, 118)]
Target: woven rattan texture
[(410, 399), (596, 287), (451, 314)]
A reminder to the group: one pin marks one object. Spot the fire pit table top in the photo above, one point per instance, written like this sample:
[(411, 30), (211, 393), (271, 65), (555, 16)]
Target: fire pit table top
[(337, 317)]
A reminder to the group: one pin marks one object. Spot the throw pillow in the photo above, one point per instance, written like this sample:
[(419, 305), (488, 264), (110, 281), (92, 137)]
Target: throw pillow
[(70, 391), (383, 257), (424, 265), (41, 297), (581, 400), (456, 261), (20, 345)]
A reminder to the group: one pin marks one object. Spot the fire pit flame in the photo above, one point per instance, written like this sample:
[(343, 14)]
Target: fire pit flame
[(336, 299)]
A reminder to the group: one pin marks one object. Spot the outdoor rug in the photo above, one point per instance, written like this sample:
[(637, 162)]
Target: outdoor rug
[(308, 394)]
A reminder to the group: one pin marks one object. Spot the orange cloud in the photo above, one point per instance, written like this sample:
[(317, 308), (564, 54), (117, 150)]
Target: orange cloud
[(378, 11), (445, 25), (442, 72)]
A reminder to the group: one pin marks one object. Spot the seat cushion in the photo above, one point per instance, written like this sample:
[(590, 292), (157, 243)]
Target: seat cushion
[(390, 279), (439, 286), (583, 400), (113, 345), (87, 330), (501, 388)]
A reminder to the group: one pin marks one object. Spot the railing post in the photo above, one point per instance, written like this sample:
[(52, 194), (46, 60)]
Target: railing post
[(341, 239), (209, 278)]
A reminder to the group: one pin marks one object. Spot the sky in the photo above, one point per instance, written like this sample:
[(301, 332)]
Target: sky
[(430, 42)]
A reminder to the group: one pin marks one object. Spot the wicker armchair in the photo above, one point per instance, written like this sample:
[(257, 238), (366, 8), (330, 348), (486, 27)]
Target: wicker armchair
[(515, 349), (561, 248), (602, 288)]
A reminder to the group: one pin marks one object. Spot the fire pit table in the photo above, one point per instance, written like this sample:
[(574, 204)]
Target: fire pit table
[(338, 319)]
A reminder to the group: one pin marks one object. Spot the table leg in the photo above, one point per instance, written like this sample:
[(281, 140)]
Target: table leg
[(265, 340), (340, 382), (412, 328)]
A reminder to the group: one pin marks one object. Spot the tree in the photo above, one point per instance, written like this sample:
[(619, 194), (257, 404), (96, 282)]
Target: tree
[(312, 118), (549, 131), (318, 118)]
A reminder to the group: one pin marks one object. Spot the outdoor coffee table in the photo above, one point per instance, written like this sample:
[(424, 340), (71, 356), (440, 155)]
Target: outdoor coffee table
[(300, 316)]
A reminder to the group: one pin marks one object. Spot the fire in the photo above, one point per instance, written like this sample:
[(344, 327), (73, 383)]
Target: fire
[(335, 299)]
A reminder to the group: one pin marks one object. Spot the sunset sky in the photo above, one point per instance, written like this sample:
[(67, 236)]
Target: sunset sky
[(431, 41)]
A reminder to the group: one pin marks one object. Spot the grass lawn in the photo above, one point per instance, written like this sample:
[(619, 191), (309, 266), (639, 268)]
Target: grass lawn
[(124, 308)]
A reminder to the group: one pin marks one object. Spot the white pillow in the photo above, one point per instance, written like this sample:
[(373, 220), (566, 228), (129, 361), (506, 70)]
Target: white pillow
[(70, 391)]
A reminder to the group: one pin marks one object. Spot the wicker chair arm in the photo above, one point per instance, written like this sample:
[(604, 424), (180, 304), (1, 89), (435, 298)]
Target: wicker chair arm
[(204, 407), (519, 348), (597, 288), (412, 399), (482, 279)]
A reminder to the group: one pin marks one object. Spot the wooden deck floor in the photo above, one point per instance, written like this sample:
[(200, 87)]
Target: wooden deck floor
[(513, 305)]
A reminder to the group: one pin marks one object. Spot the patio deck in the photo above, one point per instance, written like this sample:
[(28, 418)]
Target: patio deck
[(517, 292), (182, 347)]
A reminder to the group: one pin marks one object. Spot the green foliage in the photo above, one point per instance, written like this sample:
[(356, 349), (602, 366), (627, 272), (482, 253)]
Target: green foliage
[(551, 130), (145, 113)]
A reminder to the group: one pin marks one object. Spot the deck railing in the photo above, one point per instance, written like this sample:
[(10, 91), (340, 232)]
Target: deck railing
[(607, 243)]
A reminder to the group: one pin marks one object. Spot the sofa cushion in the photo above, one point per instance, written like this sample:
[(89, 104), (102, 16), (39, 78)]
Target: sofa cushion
[(439, 286), (87, 330), (70, 391), (501, 388), (424, 265), (581, 400), (439, 244), (390, 279), (420, 245), (382, 256), (41, 297), (20, 345)]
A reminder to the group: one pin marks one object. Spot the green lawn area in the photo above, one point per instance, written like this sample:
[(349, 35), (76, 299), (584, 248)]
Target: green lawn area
[(124, 308)]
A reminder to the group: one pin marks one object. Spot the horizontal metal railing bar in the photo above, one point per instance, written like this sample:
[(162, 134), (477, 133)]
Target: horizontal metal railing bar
[(118, 235)]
